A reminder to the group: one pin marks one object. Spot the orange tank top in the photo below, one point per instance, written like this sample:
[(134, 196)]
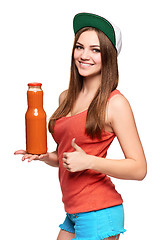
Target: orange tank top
[(86, 190)]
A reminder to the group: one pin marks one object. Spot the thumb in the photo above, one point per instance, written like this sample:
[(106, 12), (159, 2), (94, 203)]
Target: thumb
[(75, 146)]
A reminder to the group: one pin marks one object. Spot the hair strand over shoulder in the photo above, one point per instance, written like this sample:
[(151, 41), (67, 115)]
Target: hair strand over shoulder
[(95, 121)]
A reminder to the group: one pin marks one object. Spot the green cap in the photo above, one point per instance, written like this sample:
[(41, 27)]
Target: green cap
[(82, 20)]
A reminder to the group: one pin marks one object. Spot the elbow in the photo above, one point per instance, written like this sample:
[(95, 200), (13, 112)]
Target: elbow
[(139, 170), (141, 173), (141, 176)]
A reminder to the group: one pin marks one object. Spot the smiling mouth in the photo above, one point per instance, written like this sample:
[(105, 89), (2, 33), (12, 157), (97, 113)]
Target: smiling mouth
[(86, 64)]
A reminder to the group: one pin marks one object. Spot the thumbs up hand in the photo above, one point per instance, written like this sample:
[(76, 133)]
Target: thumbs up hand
[(76, 161)]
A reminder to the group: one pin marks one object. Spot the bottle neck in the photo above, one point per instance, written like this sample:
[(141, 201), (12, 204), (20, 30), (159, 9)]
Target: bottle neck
[(35, 99)]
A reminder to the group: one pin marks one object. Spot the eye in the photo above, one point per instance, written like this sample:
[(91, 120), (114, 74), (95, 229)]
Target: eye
[(96, 50), (78, 47)]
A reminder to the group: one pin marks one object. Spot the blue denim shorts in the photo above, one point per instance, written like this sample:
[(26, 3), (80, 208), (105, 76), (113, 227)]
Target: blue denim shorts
[(95, 225)]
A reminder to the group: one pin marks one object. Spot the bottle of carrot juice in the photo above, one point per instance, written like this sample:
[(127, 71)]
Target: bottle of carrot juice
[(35, 119)]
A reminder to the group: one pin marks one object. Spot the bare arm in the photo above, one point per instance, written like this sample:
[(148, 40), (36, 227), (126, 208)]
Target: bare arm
[(52, 159), (122, 121)]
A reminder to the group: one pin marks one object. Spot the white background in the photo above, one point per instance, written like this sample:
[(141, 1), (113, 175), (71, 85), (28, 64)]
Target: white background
[(36, 40)]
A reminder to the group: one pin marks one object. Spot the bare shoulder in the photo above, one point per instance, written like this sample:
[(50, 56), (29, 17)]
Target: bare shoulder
[(118, 100), (62, 96), (119, 106)]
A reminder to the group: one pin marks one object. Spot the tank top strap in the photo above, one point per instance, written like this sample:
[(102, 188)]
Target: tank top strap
[(114, 92)]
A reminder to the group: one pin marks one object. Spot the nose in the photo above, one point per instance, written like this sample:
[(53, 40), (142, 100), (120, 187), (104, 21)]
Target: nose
[(85, 55)]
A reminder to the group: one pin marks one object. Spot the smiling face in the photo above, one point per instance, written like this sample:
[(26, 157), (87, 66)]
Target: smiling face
[(87, 55)]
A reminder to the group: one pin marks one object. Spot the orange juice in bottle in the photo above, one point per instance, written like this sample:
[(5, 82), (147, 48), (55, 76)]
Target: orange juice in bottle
[(35, 119)]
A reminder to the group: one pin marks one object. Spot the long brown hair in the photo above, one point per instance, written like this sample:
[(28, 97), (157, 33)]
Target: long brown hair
[(95, 121)]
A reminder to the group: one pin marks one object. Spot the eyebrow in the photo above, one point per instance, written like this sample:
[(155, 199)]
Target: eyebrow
[(90, 46)]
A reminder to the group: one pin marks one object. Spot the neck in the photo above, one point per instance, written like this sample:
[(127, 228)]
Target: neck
[(91, 84)]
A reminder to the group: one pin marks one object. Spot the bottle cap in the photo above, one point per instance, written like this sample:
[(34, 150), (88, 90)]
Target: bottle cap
[(35, 84)]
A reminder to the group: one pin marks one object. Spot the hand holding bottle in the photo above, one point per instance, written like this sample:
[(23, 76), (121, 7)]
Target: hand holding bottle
[(36, 130), (50, 158), (31, 157)]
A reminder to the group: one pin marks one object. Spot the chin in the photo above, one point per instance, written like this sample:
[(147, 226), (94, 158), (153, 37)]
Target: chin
[(89, 74)]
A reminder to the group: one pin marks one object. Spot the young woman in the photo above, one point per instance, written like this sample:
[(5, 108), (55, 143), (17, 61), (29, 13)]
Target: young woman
[(90, 114)]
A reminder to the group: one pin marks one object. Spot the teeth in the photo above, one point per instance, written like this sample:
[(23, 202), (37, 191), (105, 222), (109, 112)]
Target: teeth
[(86, 64)]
